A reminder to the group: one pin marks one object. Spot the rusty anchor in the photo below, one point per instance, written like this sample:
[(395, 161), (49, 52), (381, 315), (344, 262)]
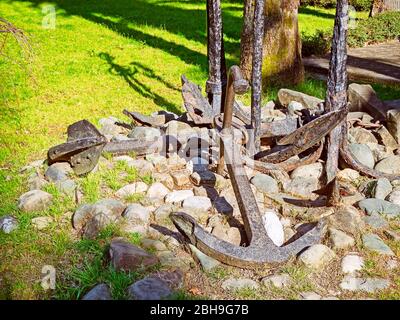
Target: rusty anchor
[(85, 144), (261, 249)]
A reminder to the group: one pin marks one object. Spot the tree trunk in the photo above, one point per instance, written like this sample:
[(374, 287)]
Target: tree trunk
[(282, 43), (246, 43)]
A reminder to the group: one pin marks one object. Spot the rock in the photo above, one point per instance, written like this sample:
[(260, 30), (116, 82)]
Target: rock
[(157, 190), (131, 189), (265, 183), (352, 263), (278, 281), (172, 259), (391, 235), (370, 285), (159, 162), (8, 224), (145, 134), (382, 188), (394, 197), (204, 191), (294, 106), (143, 167), (393, 123), (203, 178), (36, 182), (273, 227), (309, 295), (363, 154), (233, 284), (178, 196), (348, 175), (124, 158), (196, 164), (180, 178), (364, 98), (165, 179), (270, 115), (99, 292), (286, 96), (362, 135), (197, 203), (149, 288), (375, 243), (176, 161), (125, 256), (314, 170), (207, 263), (41, 223), (162, 213), (379, 152), (339, 239), (389, 165), (58, 171), (180, 131), (34, 200), (376, 222), (137, 214), (392, 264), (302, 187), (370, 206), (386, 138), (317, 256), (347, 219), (151, 244), (221, 205), (66, 186)]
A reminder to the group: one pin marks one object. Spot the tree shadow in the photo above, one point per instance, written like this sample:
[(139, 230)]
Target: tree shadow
[(131, 73)]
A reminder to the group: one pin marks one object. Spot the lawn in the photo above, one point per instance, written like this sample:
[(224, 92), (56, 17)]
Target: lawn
[(101, 57)]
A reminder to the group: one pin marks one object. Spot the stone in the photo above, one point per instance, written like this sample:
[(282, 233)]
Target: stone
[(159, 162), (150, 244), (34, 200), (124, 158), (137, 214), (385, 138), (8, 224), (265, 183), (379, 152), (389, 165), (392, 264), (286, 96), (67, 186), (162, 213), (157, 190), (278, 281), (99, 292), (180, 178), (364, 98), (273, 227), (314, 170), (173, 260), (207, 263), (370, 285), (221, 205), (128, 257), (196, 164), (131, 189), (197, 203), (362, 135), (352, 263), (370, 206), (203, 178), (382, 188), (41, 223), (347, 219), (181, 131), (339, 239), (145, 134), (348, 175), (233, 284), (317, 256), (270, 115), (294, 106), (204, 191), (376, 222), (391, 235), (289, 233), (309, 295), (178, 196), (394, 197), (393, 123), (142, 166), (302, 187), (58, 171), (375, 243), (165, 179), (149, 288), (363, 154), (36, 182)]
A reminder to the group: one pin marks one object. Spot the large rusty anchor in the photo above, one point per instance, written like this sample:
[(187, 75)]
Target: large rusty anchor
[(261, 249)]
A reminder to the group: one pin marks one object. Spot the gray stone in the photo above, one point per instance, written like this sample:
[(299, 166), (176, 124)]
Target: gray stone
[(393, 123), (386, 138), (162, 213), (203, 178), (278, 281), (145, 134), (149, 288), (347, 219), (314, 170), (34, 200), (124, 158), (131, 189), (302, 187), (364, 98), (180, 130), (362, 135), (352, 263), (197, 203), (394, 197), (339, 239), (180, 178), (66, 186), (137, 214), (294, 106), (370, 285), (363, 154), (119, 138), (151, 244), (41, 223), (8, 224), (99, 292), (58, 171), (375, 243), (178, 196), (171, 259), (36, 182), (382, 188), (204, 191), (233, 284), (265, 183), (380, 206), (309, 295), (286, 96), (165, 179), (389, 165), (376, 222), (157, 190), (317, 256), (270, 115), (207, 263)]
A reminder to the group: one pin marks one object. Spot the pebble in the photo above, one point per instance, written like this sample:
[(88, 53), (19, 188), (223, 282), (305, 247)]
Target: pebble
[(352, 263), (278, 281), (274, 228), (8, 224), (317, 256), (339, 239), (178, 196)]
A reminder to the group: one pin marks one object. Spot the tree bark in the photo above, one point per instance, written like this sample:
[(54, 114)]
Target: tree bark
[(378, 6), (282, 43), (246, 43)]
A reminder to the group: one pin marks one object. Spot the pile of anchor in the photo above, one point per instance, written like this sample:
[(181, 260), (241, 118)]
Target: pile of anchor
[(243, 140)]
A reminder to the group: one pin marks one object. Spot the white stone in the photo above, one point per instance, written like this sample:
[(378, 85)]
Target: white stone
[(348, 175), (157, 190), (130, 189), (137, 213), (278, 281), (273, 227), (197, 203), (317, 256), (178, 196), (394, 197), (339, 239), (123, 159), (314, 170), (352, 263)]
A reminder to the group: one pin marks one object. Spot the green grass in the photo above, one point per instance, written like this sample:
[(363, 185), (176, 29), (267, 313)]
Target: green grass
[(102, 57)]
